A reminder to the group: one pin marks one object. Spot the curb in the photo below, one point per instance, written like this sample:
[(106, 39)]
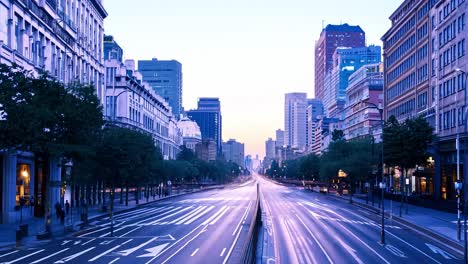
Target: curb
[(432, 234)]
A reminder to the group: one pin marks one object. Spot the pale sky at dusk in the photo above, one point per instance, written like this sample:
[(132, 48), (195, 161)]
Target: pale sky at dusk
[(247, 52)]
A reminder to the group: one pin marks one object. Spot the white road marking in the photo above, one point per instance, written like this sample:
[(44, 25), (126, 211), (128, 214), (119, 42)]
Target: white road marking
[(88, 242), (222, 252), (315, 239), (243, 217), (395, 251), (214, 216), (195, 252), (49, 256), (187, 216), (219, 216), (198, 216), (114, 260), (232, 246), (27, 256), (154, 251), (128, 241), (13, 252), (106, 234), (177, 252), (66, 259), (131, 250), (104, 253), (151, 260), (437, 250), (130, 231), (95, 231), (154, 217), (168, 216)]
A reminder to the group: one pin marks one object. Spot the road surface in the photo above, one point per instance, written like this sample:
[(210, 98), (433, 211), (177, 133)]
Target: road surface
[(306, 227), (206, 227)]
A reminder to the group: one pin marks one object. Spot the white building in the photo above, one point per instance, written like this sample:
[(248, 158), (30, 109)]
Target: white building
[(65, 38), (132, 103), (295, 108), (190, 132)]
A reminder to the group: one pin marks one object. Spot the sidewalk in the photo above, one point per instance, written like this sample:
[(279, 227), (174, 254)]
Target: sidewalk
[(431, 222), (72, 220)]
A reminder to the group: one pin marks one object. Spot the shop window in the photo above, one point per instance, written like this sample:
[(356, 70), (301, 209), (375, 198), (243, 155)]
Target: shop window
[(23, 180)]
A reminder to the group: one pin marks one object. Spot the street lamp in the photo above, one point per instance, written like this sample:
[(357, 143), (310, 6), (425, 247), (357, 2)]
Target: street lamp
[(114, 104), (382, 185), (465, 164)]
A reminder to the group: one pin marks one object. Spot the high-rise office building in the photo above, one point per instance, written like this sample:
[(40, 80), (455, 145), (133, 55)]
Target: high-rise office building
[(345, 62), (233, 151), (208, 118), (331, 37), (270, 145), (313, 114), (279, 138), (165, 77), (295, 108)]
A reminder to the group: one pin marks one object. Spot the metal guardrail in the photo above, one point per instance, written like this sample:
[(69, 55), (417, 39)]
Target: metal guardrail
[(250, 246)]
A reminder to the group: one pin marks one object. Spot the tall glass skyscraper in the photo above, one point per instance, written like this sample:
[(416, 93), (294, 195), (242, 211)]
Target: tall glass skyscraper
[(208, 118), (165, 77)]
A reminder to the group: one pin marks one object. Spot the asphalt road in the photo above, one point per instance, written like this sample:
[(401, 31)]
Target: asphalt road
[(306, 227), (206, 227)]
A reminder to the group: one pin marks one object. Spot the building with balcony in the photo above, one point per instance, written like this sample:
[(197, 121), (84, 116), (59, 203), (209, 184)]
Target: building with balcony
[(64, 38)]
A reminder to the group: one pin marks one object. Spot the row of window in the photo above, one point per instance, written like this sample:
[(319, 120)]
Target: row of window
[(422, 12), (422, 73), (401, 32), (449, 8), (402, 68), (422, 52), (422, 100), (421, 33), (402, 109), (401, 50), (449, 87), (402, 86), (148, 122), (449, 120), (451, 54), (450, 32)]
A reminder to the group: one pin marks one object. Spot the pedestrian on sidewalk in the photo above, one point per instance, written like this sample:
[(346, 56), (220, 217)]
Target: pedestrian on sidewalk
[(67, 207)]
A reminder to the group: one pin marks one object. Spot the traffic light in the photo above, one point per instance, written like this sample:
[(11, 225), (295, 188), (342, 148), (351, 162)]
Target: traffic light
[(457, 195)]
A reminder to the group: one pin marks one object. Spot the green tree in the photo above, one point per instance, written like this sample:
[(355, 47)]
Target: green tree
[(310, 167), (337, 135)]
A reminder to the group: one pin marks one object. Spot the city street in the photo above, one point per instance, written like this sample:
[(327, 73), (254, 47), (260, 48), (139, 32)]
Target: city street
[(308, 227), (208, 226)]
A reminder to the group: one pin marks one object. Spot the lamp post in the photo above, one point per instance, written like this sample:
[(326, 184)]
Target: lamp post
[(465, 165), (114, 104), (382, 184)]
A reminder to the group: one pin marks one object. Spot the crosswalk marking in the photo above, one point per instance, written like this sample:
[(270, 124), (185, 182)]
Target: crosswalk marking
[(215, 215), (168, 216), (27, 256), (162, 214), (104, 253), (219, 217), (49, 256), (95, 231), (198, 216), (182, 218), (144, 213), (13, 252), (66, 259)]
